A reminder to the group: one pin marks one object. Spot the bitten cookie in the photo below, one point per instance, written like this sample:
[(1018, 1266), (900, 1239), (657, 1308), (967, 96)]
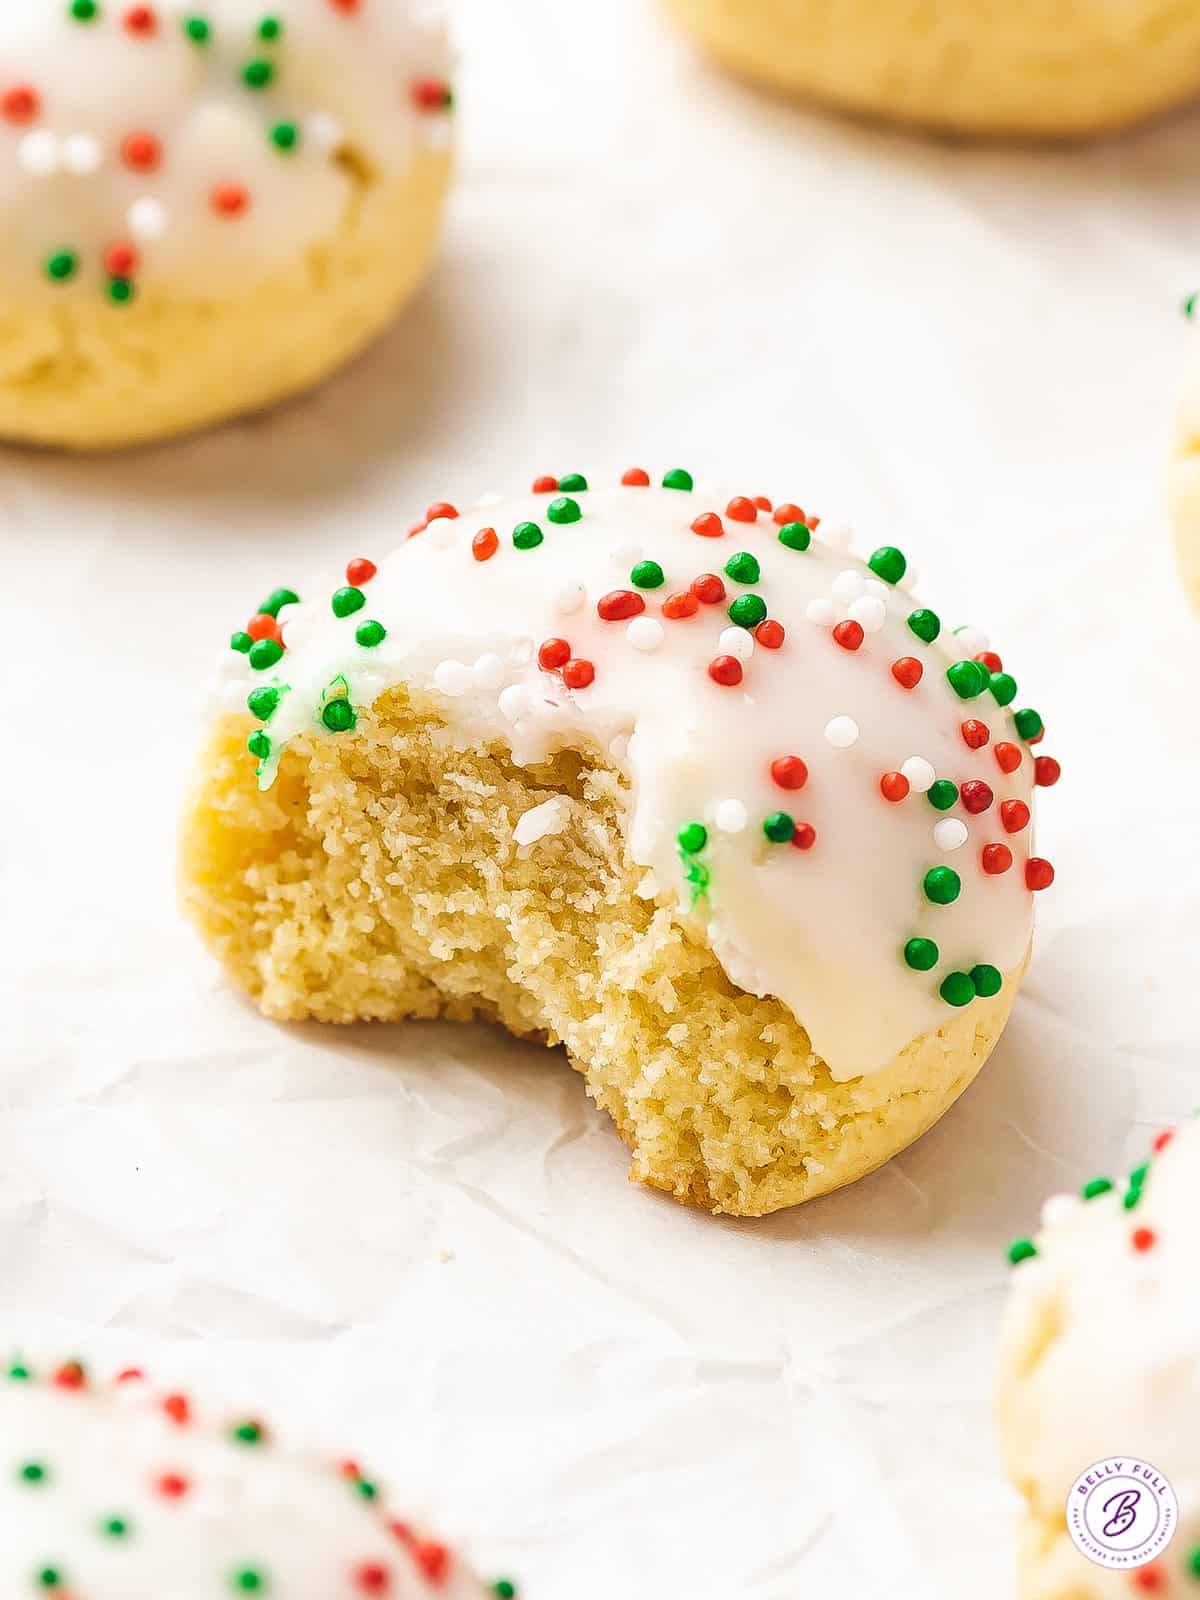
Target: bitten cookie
[(1100, 1358), (117, 1491), (205, 208), (666, 777), (1037, 67)]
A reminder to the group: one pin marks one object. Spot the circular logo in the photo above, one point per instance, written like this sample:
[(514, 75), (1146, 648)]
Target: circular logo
[(1121, 1512)]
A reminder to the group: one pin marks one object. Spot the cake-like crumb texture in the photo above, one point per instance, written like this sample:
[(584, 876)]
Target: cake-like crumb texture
[(1046, 68), (90, 375), (379, 878)]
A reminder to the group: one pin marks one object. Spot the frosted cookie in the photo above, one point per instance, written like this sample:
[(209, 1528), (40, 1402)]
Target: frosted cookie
[(663, 776), (1034, 67), (116, 1491), (206, 207), (1185, 474), (1100, 1358)]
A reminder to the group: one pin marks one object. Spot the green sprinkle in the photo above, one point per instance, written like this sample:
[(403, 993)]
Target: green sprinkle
[(573, 483), (1096, 1187), (1021, 1250), (1132, 1196), (120, 291), (888, 563), (241, 642), (648, 575), (49, 1578), (942, 794), (564, 509), (1139, 1174), (249, 1580), (1193, 1561), (677, 478), (63, 264), (270, 28), (19, 1372), (779, 827), (339, 716), (743, 568), (114, 1528), (747, 611), (967, 679), (84, 10), (261, 703), (259, 745), (987, 980), (795, 535), (366, 1488), (693, 836), (277, 599), (505, 1589), (265, 653), (922, 955), (369, 634), (33, 1472), (251, 1432), (347, 601), (257, 74), (957, 989), (197, 29), (1004, 688), (527, 535), (1029, 724), (942, 885), (285, 136), (925, 624)]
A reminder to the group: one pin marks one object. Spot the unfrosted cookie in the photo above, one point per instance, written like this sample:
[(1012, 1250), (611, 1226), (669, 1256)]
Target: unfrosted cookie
[(1100, 1358), (1042, 67), (119, 1491), (665, 776), (206, 206)]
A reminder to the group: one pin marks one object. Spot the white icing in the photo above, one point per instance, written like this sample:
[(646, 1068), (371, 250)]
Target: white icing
[(293, 1518), (822, 928), (343, 75)]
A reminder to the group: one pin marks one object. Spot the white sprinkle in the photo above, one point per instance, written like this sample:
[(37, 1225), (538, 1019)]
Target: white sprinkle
[(879, 590), (1058, 1208), (147, 218), (627, 553), (513, 701), (848, 585), (645, 633), (919, 773), (869, 612), (81, 154), (440, 532), (568, 599), (550, 817), (972, 640), (38, 153), (822, 612), (730, 816), (836, 534), (324, 131), (489, 671), (736, 642), (842, 732), (618, 748), (453, 677), (494, 497), (949, 833)]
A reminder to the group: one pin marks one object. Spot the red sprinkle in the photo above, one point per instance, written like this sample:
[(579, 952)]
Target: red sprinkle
[(264, 626), (770, 634), (142, 152), (545, 485), (789, 772), (708, 589), (360, 571), (177, 1408), (553, 654), (907, 672), (140, 20), (636, 478), (976, 796), (131, 1375), (484, 544), (708, 525), (230, 199), (741, 509), (990, 660), (372, 1577), (1162, 1141), (894, 786), (433, 1560), (20, 104), (619, 604), (1014, 814), (1039, 874), (725, 670), (1150, 1580), (1144, 1239), (787, 512), (430, 94), (441, 508), (975, 733), (172, 1485), (71, 1376), (761, 501), (347, 7), (678, 606), (351, 1470), (1008, 756), (997, 858), (849, 634), (578, 674), (804, 837), (1046, 771), (121, 260)]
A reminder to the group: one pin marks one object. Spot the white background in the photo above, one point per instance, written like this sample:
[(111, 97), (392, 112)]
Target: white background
[(422, 1237)]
